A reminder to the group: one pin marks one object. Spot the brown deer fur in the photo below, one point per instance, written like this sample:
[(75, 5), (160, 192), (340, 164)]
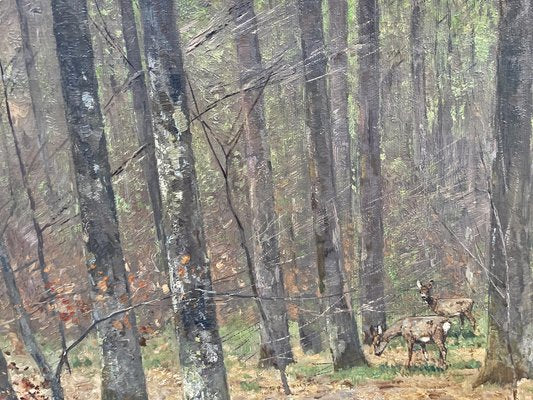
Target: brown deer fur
[(419, 330), (453, 307)]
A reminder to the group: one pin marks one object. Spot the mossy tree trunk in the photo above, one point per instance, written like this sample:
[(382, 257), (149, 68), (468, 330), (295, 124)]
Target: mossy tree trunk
[(510, 310), (200, 346), (122, 372), (143, 122)]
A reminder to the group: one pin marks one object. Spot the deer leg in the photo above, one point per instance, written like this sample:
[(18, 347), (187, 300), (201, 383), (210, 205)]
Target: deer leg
[(410, 346), (462, 318), (442, 352), (424, 351)]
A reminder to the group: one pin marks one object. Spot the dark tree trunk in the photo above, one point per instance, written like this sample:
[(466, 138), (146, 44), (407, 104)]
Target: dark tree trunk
[(342, 330), (510, 311), (23, 321), (342, 162), (143, 121), (200, 347), (36, 97), (6, 389), (122, 372), (418, 75), (267, 273), (371, 184)]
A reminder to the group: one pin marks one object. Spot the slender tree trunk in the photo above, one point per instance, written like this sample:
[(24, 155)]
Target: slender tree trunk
[(342, 329), (24, 326), (143, 121), (36, 96), (310, 321), (342, 161), (510, 336), (443, 126), (268, 275), (6, 389), (35, 222), (371, 184), (418, 75), (122, 372), (200, 349)]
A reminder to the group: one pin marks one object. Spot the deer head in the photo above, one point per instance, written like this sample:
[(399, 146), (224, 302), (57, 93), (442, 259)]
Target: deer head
[(377, 339), (425, 290)]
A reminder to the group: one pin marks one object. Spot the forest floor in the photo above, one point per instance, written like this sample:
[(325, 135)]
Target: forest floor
[(311, 377)]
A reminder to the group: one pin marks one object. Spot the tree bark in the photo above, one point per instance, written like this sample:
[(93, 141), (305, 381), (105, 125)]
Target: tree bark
[(342, 330), (510, 310), (418, 76), (443, 126), (6, 389), (342, 160), (200, 349), (267, 273), (24, 325), (371, 183), (122, 372), (36, 97), (144, 123)]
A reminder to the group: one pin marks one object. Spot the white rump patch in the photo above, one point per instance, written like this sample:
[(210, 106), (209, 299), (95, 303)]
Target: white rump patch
[(424, 339), (446, 326)]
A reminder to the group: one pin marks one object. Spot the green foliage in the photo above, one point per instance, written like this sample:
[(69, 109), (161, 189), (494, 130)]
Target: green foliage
[(240, 338), (250, 384)]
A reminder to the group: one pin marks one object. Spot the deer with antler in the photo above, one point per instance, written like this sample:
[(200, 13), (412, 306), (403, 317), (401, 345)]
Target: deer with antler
[(447, 307), (415, 330)]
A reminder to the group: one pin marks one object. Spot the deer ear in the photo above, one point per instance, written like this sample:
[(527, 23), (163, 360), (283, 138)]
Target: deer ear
[(430, 284), (380, 330), (418, 285)]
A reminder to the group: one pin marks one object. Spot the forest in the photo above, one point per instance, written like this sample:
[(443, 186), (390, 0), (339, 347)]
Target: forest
[(269, 199)]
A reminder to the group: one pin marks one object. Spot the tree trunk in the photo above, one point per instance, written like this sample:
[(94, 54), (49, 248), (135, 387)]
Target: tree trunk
[(24, 326), (443, 135), (510, 311), (6, 389), (144, 123), (342, 161), (310, 322), (36, 97), (267, 273), (371, 184), (200, 346), (122, 372), (418, 75), (342, 329)]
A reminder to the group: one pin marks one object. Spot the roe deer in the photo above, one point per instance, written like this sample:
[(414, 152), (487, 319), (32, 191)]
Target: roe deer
[(453, 307), (419, 330)]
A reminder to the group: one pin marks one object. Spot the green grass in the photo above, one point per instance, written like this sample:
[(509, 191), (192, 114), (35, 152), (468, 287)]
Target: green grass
[(239, 338), (469, 364)]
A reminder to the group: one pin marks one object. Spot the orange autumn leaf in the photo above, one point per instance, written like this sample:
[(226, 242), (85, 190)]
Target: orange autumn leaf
[(131, 278), (102, 285), (185, 259), (126, 321), (117, 325)]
